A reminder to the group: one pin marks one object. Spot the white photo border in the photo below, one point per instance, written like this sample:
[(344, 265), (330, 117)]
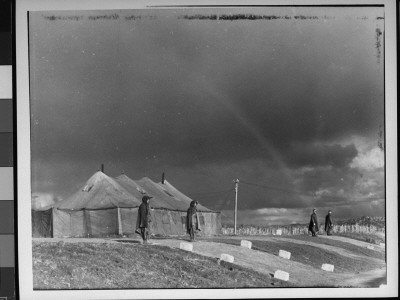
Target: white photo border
[(24, 160)]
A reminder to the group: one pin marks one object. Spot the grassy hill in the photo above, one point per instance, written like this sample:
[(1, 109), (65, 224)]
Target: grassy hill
[(106, 265), (126, 264)]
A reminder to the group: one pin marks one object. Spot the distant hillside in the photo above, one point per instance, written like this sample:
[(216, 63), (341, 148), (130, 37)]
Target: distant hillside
[(364, 225), (378, 222)]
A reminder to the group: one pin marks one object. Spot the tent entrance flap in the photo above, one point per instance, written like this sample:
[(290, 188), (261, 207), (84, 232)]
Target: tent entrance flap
[(42, 223)]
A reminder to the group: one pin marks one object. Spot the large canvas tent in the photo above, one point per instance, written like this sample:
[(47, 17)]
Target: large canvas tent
[(106, 206)]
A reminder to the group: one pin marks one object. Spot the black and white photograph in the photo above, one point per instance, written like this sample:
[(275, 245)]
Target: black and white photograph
[(208, 147)]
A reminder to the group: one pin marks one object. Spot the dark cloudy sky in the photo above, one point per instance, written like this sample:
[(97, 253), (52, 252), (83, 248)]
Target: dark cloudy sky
[(288, 100)]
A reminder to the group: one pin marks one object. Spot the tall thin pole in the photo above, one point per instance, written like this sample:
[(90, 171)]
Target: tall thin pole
[(236, 196)]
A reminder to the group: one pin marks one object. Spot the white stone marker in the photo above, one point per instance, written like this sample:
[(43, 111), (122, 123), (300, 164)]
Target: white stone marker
[(186, 246), (282, 275), (227, 257), (370, 247), (382, 244), (279, 232), (284, 254), (327, 267), (246, 244)]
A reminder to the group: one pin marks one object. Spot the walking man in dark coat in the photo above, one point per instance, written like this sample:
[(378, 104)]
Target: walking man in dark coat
[(192, 220), (144, 218), (313, 227), (328, 223)]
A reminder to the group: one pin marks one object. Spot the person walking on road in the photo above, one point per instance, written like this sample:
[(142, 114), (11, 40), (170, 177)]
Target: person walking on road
[(328, 223), (192, 220), (313, 227), (144, 219)]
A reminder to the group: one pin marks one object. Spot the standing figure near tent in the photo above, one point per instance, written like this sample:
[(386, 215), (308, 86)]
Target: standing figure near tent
[(144, 218), (313, 227), (328, 223), (192, 220)]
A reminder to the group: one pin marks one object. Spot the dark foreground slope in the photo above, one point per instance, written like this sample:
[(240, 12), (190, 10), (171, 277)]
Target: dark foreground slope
[(84, 264)]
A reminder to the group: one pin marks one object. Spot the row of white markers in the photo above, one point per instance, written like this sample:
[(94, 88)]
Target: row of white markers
[(282, 275)]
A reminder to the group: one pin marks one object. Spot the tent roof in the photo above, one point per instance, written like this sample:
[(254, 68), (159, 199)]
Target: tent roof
[(104, 192), (143, 187), (179, 195), (164, 195), (99, 192)]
